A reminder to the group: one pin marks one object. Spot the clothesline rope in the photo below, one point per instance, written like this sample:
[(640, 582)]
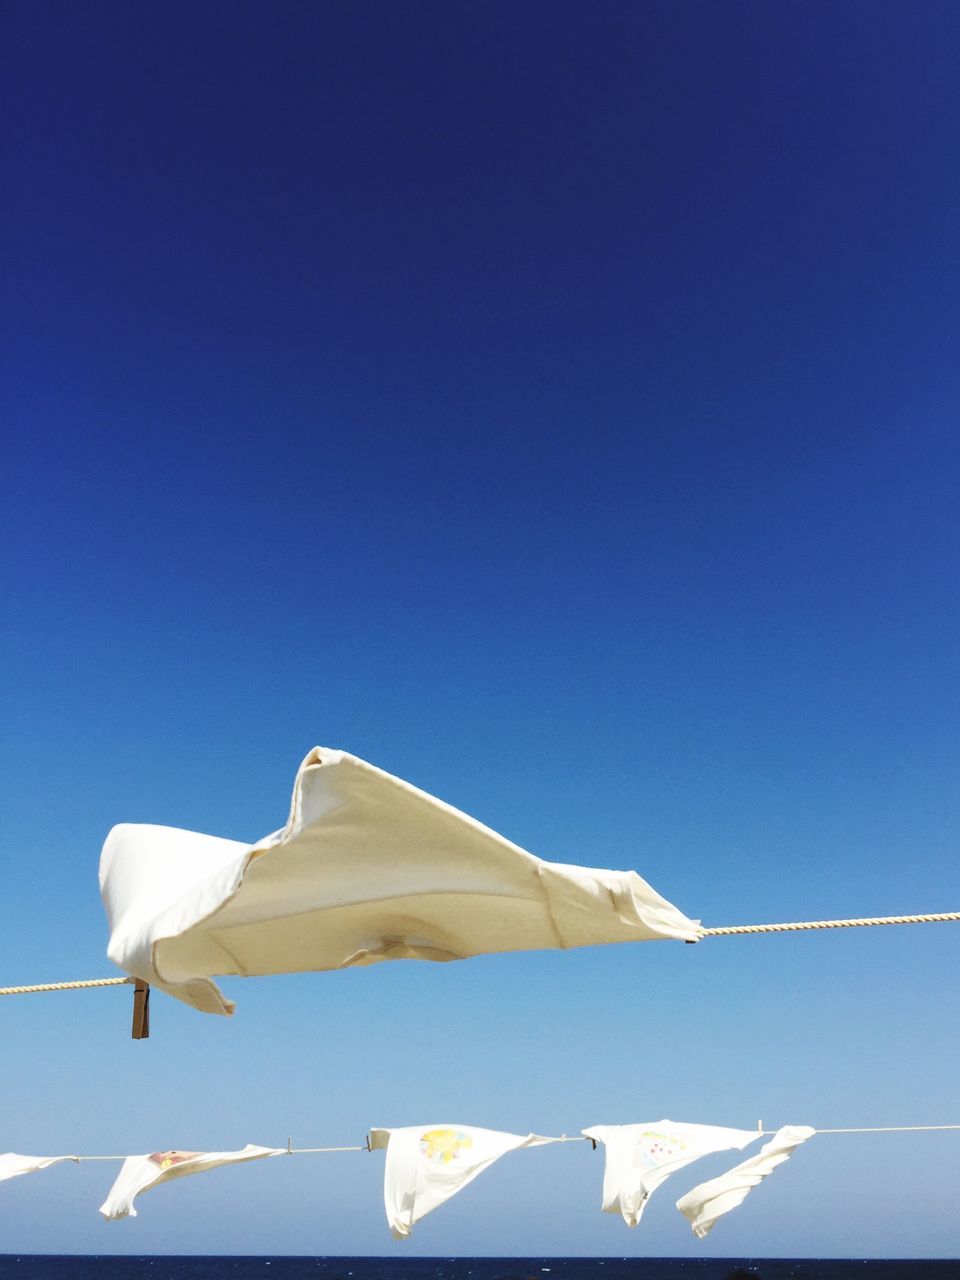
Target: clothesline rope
[(312, 1151), (716, 932), (725, 930), (67, 986), (762, 1133), (289, 1151), (896, 1128)]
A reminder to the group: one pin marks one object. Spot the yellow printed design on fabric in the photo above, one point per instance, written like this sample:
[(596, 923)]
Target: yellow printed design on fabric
[(442, 1146)]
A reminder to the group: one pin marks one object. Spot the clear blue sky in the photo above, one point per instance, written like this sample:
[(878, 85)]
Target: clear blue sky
[(557, 406)]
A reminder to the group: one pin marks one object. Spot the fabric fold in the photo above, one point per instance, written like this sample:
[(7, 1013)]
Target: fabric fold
[(368, 868), (142, 1173), (427, 1164), (639, 1157), (711, 1200), (13, 1165)]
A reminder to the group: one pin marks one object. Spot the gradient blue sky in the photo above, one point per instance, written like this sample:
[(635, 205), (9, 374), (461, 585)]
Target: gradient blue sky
[(555, 404)]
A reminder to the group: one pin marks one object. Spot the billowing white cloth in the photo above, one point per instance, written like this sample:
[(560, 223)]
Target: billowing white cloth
[(140, 1173), (711, 1200), (13, 1165), (639, 1157), (368, 868), (427, 1164)]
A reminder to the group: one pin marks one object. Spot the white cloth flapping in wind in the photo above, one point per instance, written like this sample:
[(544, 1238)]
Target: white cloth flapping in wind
[(12, 1164), (368, 868), (140, 1173), (711, 1200), (427, 1164), (639, 1157)]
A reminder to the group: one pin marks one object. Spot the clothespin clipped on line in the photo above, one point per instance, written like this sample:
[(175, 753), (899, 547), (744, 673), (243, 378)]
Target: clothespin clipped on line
[(141, 1010), (366, 1139)]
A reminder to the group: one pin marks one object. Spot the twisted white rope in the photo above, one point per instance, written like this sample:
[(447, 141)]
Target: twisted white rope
[(725, 930), (67, 986)]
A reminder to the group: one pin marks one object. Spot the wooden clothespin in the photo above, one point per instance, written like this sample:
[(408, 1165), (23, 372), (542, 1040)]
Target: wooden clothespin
[(289, 1146), (141, 1010), (366, 1139), (593, 1143)]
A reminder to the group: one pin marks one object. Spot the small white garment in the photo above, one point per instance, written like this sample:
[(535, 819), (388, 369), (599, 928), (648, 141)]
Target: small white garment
[(368, 868), (12, 1165), (427, 1164), (639, 1157), (711, 1200), (140, 1173)]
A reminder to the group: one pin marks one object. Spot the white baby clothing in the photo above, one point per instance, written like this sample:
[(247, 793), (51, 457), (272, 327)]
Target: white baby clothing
[(12, 1165), (140, 1173), (427, 1164), (367, 869), (711, 1200), (639, 1157)]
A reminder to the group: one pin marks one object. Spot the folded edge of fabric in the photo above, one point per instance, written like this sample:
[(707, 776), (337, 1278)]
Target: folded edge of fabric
[(709, 1201), (14, 1165), (142, 1173)]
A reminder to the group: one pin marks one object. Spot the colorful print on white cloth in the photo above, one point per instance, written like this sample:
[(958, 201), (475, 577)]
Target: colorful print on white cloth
[(442, 1146), (655, 1147), (167, 1159)]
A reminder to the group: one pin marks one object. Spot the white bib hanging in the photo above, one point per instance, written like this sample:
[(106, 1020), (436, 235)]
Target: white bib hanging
[(711, 1200), (140, 1173), (639, 1157), (427, 1164), (368, 868)]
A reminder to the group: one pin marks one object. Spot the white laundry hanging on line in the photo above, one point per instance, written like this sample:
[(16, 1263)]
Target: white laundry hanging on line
[(12, 1164), (140, 1173), (639, 1157), (711, 1200), (368, 868), (427, 1164)]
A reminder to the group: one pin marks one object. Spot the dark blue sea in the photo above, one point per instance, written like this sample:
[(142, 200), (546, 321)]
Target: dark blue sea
[(68, 1267)]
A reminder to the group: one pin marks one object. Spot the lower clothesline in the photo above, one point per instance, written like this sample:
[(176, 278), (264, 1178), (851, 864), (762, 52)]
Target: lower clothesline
[(761, 1133), (426, 1165)]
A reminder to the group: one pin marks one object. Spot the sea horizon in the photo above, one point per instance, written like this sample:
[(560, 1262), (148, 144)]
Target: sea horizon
[(393, 1260), (173, 1266)]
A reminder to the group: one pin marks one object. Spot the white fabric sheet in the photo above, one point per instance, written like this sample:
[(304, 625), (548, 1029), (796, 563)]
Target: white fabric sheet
[(368, 868), (140, 1173), (12, 1165), (639, 1157), (711, 1200), (427, 1164)]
